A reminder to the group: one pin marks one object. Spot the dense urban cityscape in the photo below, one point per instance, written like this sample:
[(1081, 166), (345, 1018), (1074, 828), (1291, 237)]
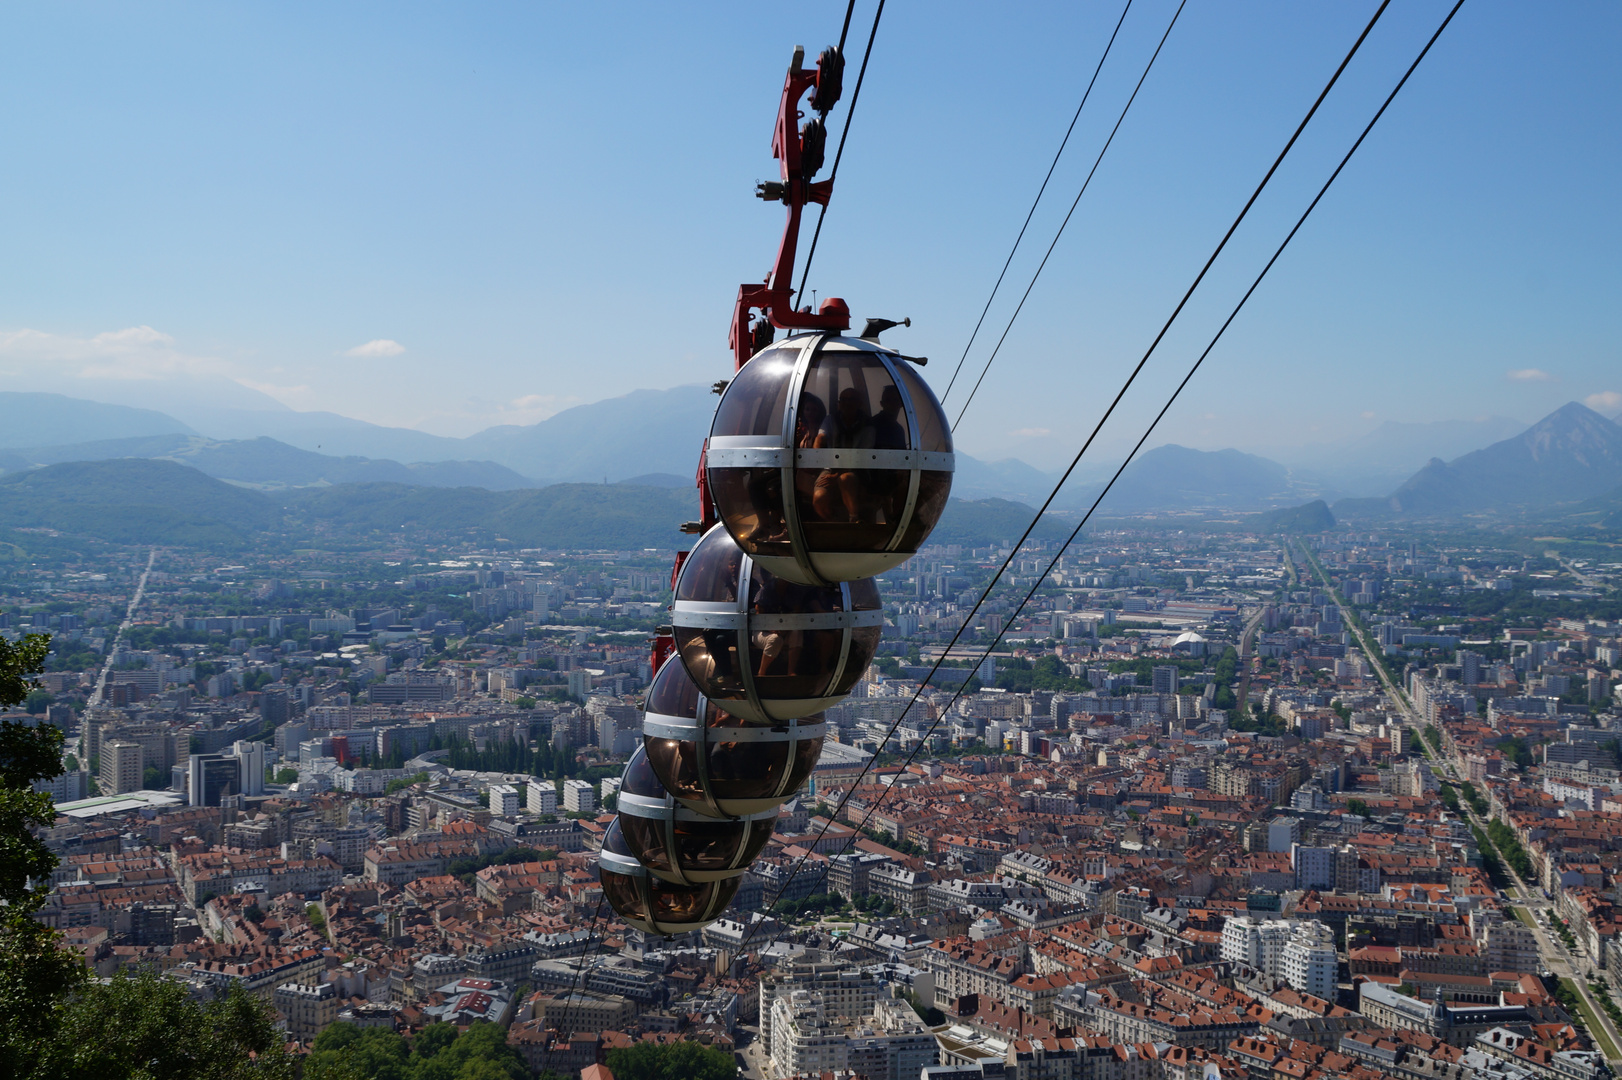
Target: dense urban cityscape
[(449, 631), (1273, 804)]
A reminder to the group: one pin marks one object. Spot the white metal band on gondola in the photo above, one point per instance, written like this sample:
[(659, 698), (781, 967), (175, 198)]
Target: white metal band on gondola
[(728, 617), (731, 648), (787, 547), (744, 451), (650, 904)]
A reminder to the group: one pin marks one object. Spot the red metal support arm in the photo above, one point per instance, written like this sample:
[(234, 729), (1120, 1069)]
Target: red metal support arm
[(775, 296)]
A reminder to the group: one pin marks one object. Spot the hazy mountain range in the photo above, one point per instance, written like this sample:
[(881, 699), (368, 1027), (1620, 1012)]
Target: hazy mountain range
[(649, 433), (525, 479), (140, 501), (1567, 460)]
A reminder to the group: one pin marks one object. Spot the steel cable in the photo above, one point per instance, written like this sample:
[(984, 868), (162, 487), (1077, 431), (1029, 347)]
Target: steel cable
[(1034, 202), (1159, 337), (833, 174), (1153, 424)]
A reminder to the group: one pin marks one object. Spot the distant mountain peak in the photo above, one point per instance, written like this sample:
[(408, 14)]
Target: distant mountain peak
[(1571, 454)]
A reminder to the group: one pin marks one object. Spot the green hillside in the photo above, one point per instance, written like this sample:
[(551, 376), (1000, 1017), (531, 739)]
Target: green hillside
[(133, 501), (139, 501), (1314, 517)]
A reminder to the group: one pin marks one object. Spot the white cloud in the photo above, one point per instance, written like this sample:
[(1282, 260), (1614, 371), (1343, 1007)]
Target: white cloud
[(1606, 401), (1530, 374), (301, 397), (375, 348), (1031, 432), (1367, 414), (136, 352)]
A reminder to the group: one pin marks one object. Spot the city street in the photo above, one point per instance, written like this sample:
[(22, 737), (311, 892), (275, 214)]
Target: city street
[(1550, 949)]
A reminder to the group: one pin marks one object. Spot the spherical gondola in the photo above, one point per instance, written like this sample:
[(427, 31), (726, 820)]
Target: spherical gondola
[(679, 845), (716, 763), (766, 649), (829, 459), (651, 905)]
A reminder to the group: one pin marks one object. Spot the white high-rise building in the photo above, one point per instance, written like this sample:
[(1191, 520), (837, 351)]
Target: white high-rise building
[(252, 760), (543, 797), (503, 800), (1282, 833), (579, 796), (1310, 963), (1314, 866), (1256, 943), (1302, 953)]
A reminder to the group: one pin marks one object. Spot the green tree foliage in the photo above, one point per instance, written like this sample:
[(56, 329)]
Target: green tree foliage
[(146, 1027), (39, 699), (286, 776), (1045, 673), (1517, 751), (688, 1060), (822, 904), (1358, 807), (1489, 860), (35, 972), (1509, 846), (1270, 724), (346, 1052), (403, 782)]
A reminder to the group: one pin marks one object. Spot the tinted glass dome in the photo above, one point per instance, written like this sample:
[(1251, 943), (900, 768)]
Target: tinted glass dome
[(716, 763), (764, 648), (652, 905), (829, 459)]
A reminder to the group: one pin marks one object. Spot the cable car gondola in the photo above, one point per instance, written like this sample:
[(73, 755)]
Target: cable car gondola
[(680, 845), (650, 904), (766, 649), (829, 459), (716, 763)]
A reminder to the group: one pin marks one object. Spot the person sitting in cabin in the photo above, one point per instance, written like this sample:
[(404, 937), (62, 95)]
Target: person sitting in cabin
[(848, 427)]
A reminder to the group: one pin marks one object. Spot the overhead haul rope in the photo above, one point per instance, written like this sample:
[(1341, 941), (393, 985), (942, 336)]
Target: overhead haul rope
[(850, 115), (580, 974), (969, 618), (1039, 191), (1077, 202), (1163, 410)]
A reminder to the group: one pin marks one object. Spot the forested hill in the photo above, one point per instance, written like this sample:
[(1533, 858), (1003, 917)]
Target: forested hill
[(137, 501)]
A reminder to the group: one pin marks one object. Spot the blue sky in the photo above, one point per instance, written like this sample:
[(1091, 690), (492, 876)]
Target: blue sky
[(544, 205)]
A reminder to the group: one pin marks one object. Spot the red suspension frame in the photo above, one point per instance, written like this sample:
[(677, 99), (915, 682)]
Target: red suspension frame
[(775, 296)]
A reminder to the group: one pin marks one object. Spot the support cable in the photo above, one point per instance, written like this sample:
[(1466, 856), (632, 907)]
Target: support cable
[(1181, 304), (1169, 402), (833, 174), (1032, 212), (579, 974), (1074, 203)]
